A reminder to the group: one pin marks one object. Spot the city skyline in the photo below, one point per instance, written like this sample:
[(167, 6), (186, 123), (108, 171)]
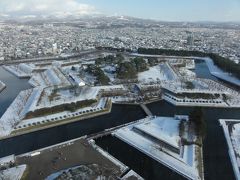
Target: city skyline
[(130, 89), (186, 10)]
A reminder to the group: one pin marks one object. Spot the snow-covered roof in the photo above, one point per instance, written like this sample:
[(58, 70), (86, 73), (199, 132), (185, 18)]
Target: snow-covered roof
[(50, 77), (161, 72), (66, 95), (164, 129)]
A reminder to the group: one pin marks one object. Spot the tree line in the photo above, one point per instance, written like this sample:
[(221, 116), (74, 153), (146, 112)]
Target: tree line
[(60, 108), (129, 69), (223, 63)]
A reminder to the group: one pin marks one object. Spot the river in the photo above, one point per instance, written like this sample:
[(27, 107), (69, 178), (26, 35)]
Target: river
[(217, 163)]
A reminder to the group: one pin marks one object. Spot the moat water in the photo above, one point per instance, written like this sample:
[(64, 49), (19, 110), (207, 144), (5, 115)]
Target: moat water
[(217, 163), (13, 86)]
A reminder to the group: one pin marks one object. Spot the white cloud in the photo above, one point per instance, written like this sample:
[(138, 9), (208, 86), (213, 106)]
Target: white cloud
[(45, 7)]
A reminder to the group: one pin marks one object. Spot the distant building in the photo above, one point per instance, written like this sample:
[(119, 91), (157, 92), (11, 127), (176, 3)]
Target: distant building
[(190, 39), (54, 48)]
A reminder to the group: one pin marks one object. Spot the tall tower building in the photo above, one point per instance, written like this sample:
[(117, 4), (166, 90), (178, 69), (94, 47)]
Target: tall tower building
[(190, 39), (55, 48)]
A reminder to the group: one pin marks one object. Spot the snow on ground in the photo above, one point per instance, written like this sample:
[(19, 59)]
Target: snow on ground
[(22, 70), (157, 73), (7, 159), (233, 101), (32, 101), (14, 173), (159, 127), (81, 94), (168, 71), (66, 95), (84, 172), (190, 63), (16, 71), (132, 174), (153, 150), (183, 67), (27, 68), (49, 77), (185, 72), (203, 86), (36, 80), (37, 98), (200, 86), (63, 115), (219, 73), (76, 79), (14, 112), (232, 135)]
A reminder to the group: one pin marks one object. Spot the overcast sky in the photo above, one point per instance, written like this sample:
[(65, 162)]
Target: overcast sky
[(168, 10)]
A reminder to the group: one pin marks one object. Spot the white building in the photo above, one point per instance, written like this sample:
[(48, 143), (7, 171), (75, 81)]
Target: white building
[(55, 48), (77, 80)]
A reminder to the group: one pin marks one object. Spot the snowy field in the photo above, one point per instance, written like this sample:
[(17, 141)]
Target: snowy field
[(58, 117), (157, 73), (183, 67), (152, 75), (232, 135), (14, 173), (49, 98), (69, 95), (14, 113), (184, 72), (22, 70), (6, 160), (30, 100), (226, 97), (50, 77), (161, 128), (200, 86), (132, 175)]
